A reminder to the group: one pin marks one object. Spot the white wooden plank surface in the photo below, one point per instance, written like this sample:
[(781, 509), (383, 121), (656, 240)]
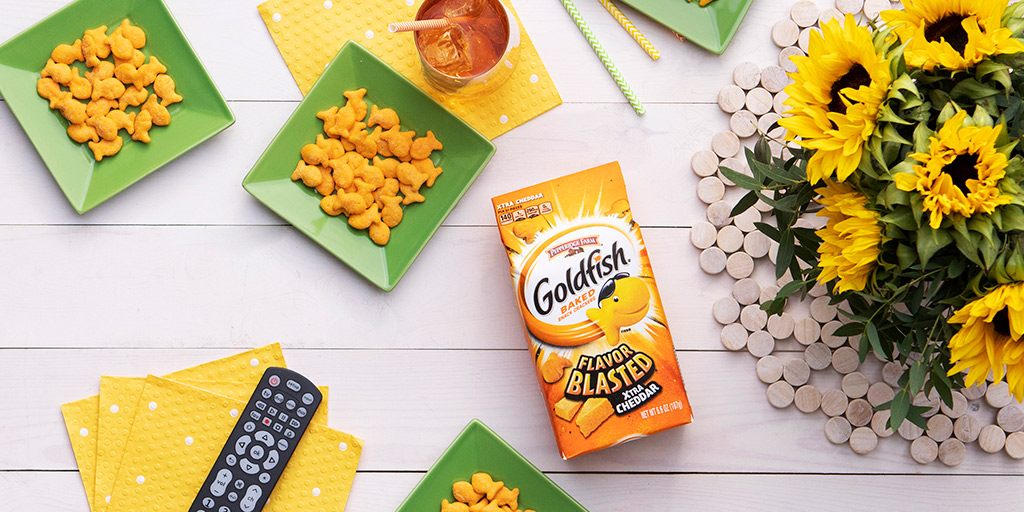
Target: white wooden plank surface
[(185, 267)]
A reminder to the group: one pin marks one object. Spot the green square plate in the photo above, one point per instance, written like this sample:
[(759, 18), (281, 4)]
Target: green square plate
[(711, 26), (478, 449), (465, 154), (86, 182)]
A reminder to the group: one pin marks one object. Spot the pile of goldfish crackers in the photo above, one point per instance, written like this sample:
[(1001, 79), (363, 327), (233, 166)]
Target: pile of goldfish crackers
[(110, 88), (482, 494), (338, 166)]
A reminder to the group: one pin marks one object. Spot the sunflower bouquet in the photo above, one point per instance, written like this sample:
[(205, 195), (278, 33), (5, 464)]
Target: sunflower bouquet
[(903, 135)]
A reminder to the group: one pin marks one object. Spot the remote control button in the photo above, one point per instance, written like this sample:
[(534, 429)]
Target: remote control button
[(239, 484), (278, 398), (267, 421), (249, 426), (252, 495), (220, 484), (290, 404), (232, 496), (264, 478), (275, 380), (271, 412), (295, 424), (231, 459), (272, 460), (257, 452), (290, 434), (254, 415), (266, 392), (292, 385), (282, 445), (261, 405), (278, 427), (223, 509), (307, 398), (264, 437), (282, 417), (242, 443), (248, 467), (301, 412), (208, 502)]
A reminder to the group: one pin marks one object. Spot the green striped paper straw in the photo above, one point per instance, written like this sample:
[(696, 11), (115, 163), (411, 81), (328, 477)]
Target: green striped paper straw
[(608, 64)]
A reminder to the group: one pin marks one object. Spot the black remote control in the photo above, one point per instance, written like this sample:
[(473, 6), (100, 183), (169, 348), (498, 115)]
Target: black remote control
[(260, 445)]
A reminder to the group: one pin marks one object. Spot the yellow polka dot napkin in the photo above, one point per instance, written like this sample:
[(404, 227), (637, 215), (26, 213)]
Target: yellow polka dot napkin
[(309, 33)]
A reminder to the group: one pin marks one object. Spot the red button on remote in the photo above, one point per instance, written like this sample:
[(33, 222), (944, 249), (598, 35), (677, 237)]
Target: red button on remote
[(266, 421), (275, 380)]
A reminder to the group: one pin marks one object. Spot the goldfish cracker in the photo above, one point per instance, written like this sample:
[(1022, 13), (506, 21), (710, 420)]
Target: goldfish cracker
[(453, 507), (95, 47), (313, 154), (161, 117), (484, 484), (122, 120), (342, 173), (120, 46), (389, 188), (331, 205), (333, 147), (380, 233), (133, 96), (80, 86), (68, 53), (392, 212), (72, 110), (463, 491), (586, 292), (479, 506), (341, 126), (426, 166), (49, 89), (423, 146), (137, 59), (506, 496), (352, 203), (366, 144), (133, 34), (411, 176), (370, 175), (309, 174), (389, 166), (399, 142), (82, 133), (105, 148), (103, 70), (147, 74), (491, 507), (355, 100), (386, 118), (100, 107), (109, 88), (60, 73), (365, 189), (326, 186), (366, 219), (165, 88), (411, 194), (126, 73), (328, 118), (105, 127), (143, 122)]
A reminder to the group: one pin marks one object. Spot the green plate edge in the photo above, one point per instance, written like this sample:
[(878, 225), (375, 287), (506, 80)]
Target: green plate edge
[(711, 27), (478, 448), (71, 163), (300, 206)]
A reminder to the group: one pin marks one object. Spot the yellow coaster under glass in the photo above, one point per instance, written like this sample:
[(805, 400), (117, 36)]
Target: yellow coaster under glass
[(309, 33)]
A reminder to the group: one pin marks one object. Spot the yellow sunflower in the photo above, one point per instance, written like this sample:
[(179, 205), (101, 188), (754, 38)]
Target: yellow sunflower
[(990, 339), (960, 173), (953, 34), (835, 97), (850, 240)]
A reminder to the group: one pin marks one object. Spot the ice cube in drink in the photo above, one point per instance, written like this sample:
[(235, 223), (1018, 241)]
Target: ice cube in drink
[(447, 50)]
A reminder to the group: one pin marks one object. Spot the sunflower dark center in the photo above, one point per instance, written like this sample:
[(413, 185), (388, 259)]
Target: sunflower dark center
[(854, 78), (1001, 322), (950, 29), (963, 168)]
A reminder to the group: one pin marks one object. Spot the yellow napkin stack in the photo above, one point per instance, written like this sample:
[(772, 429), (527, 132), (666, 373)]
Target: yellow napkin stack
[(147, 444)]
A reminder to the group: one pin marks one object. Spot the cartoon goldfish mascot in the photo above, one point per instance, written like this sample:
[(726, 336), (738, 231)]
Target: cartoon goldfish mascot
[(623, 301)]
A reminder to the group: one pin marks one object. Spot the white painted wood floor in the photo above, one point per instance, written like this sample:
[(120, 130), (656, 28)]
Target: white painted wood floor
[(186, 267)]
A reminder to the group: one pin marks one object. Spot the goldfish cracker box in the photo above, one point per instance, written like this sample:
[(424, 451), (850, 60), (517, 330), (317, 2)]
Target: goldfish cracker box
[(596, 327)]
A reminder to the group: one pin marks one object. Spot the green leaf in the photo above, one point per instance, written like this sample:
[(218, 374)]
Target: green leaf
[(906, 256), (745, 202), (1012, 217), (740, 179), (901, 217), (872, 334), (785, 255), (929, 241), (762, 151), (898, 409), (917, 373), (850, 329)]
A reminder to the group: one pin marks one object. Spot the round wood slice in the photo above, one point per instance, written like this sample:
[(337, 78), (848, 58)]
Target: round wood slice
[(774, 79), (992, 438), (931, 401), (730, 238), (760, 343), (838, 430), (880, 393), (872, 8), (759, 102), (859, 412), (786, 62), (803, 41), (834, 402), (891, 373), (909, 431), (739, 265), (756, 244), (818, 356), (807, 398), (845, 360), (940, 427), (747, 75), (745, 220), (726, 144), (746, 291), (863, 440), (780, 326), (855, 385), (718, 213), (780, 394), (734, 337), (704, 163), (822, 311), (976, 391), (731, 98), (818, 290), (768, 292), (703, 235), (880, 424), (785, 33), (754, 318), (828, 14), (924, 450), (828, 336), (804, 13), (769, 369), (736, 164), (1015, 445), (1011, 418), (966, 428), (796, 372), (766, 121), (952, 452), (726, 310), (710, 190), (998, 395), (849, 6), (712, 260), (807, 331), (743, 123), (762, 206), (959, 407)]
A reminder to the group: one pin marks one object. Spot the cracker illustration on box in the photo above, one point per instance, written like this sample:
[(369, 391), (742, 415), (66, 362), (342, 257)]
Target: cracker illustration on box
[(596, 326)]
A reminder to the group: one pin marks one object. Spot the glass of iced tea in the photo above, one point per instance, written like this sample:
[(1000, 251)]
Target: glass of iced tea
[(475, 53)]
